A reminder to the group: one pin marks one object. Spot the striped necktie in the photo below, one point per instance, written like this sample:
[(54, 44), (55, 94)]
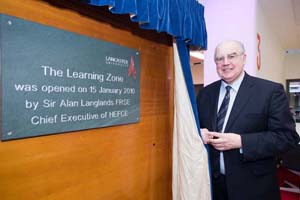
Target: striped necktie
[(223, 110), (220, 122)]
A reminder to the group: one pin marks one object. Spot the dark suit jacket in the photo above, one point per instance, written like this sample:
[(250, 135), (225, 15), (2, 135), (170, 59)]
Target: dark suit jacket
[(260, 114)]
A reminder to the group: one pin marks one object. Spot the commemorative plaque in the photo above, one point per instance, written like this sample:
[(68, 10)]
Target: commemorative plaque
[(55, 81)]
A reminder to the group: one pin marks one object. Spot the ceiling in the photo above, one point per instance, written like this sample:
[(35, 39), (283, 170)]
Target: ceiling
[(284, 18)]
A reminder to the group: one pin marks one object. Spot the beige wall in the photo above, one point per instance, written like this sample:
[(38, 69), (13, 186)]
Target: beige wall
[(292, 66), (276, 64), (272, 54), (197, 70)]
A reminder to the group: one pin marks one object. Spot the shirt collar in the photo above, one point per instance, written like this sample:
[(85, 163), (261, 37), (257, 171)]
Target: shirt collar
[(236, 84)]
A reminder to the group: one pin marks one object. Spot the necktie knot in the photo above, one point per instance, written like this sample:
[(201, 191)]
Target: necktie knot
[(228, 88)]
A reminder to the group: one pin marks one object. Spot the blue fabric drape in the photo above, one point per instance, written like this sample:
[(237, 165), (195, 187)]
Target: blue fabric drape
[(184, 56), (182, 19)]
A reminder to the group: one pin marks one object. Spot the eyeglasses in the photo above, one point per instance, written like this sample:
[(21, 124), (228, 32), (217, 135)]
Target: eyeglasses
[(230, 57)]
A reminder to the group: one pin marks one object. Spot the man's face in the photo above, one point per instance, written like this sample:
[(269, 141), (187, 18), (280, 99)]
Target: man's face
[(230, 61)]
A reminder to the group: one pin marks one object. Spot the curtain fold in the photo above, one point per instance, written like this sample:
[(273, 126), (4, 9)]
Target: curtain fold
[(182, 19), (190, 169), (184, 56)]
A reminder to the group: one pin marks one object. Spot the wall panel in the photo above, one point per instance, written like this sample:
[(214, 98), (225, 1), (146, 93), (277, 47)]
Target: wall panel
[(128, 162)]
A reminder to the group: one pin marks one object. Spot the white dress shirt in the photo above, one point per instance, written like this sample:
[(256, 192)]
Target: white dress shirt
[(233, 92)]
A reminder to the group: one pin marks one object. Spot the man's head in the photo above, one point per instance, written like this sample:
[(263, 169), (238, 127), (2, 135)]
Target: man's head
[(230, 59)]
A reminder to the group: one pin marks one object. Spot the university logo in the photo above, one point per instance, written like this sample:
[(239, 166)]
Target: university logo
[(131, 69), (109, 60)]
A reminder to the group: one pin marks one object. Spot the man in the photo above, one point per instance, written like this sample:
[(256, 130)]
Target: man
[(246, 122)]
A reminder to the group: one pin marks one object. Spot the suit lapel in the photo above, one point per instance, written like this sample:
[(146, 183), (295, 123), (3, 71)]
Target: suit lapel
[(214, 104), (246, 91)]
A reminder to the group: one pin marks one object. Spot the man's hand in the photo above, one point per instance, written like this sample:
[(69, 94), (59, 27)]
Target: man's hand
[(221, 141), (206, 136)]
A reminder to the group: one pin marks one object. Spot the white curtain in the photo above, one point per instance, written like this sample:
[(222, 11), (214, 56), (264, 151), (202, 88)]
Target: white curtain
[(191, 179)]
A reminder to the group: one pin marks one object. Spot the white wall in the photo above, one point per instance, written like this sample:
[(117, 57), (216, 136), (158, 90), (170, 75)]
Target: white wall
[(272, 54), (229, 20)]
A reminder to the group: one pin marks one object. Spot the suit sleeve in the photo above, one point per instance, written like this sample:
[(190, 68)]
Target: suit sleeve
[(200, 107), (280, 135)]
